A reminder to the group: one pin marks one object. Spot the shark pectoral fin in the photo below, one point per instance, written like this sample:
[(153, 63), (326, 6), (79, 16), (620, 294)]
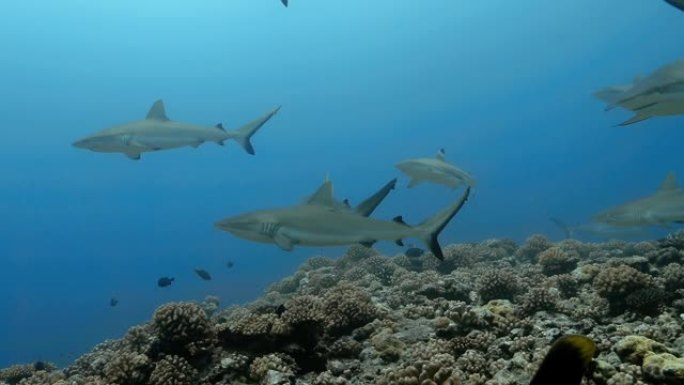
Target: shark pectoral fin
[(133, 155), (634, 119), (283, 241)]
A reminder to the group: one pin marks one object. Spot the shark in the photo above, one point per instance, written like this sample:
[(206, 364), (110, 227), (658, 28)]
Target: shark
[(663, 208), (601, 231), (436, 170), (319, 222), (679, 4), (659, 94), (324, 196), (157, 132)]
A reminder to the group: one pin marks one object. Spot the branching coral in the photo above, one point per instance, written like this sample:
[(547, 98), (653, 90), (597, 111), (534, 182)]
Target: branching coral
[(128, 368), (173, 370), (534, 245), (497, 284), (184, 328), (347, 307), (615, 283), (555, 261)]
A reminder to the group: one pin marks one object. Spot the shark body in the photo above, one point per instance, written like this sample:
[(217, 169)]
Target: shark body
[(323, 224), (601, 231), (435, 170), (659, 94), (663, 208), (679, 4), (157, 132)]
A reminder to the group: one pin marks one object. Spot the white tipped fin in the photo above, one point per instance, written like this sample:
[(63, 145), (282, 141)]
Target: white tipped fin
[(670, 182), (157, 112), (441, 154), (283, 242)]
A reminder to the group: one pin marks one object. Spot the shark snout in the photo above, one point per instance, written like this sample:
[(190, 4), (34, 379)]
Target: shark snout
[(81, 143)]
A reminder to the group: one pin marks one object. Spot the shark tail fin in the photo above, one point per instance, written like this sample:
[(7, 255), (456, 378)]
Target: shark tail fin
[(611, 96), (244, 133), (434, 225), (563, 226)]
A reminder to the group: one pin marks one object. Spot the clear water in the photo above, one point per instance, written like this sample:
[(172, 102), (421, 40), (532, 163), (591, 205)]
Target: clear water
[(504, 87)]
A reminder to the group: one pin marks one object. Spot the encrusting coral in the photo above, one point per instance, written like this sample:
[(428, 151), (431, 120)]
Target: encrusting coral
[(484, 316)]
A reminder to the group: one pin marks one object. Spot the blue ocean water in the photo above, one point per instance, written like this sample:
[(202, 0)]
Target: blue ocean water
[(504, 87)]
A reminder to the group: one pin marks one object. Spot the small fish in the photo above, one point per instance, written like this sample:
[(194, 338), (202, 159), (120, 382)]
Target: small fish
[(566, 362), (165, 281), (113, 302), (414, 252), (679, 4), (230, 264), (203, 274), (280, 309)]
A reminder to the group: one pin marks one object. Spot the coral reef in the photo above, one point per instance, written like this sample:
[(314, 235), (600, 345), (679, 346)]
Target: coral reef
[(484, 316)]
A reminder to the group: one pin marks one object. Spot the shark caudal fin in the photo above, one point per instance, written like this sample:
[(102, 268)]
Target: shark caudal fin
[(566, 362), (369, 205), (244, 133), (611, 95), (567, 229), (431, 228)]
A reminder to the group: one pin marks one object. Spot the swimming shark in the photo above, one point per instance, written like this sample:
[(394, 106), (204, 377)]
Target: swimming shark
[(602, 231), (157, 132), (679, 4), (319, 224), (324, 196), (659, 94), (663, 208), (436, 170)]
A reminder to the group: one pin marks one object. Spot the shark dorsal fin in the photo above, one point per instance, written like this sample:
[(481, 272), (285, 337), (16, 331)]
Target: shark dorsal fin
[(323, 195), (441, 155), (220, 126), (670, 182), (157, 112)]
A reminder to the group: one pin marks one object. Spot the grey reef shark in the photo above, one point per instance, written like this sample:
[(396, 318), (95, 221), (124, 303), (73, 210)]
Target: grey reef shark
[(663, 208), (435, 170), (157, 132), (322, 221), (601, 231), (659, 94), (679, 4)]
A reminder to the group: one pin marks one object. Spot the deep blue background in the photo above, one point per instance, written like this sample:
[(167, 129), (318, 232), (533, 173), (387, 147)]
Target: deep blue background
[(504, 86)]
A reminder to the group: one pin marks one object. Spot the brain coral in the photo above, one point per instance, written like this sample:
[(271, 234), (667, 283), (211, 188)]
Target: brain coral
[(183, 327), (173, 370)]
